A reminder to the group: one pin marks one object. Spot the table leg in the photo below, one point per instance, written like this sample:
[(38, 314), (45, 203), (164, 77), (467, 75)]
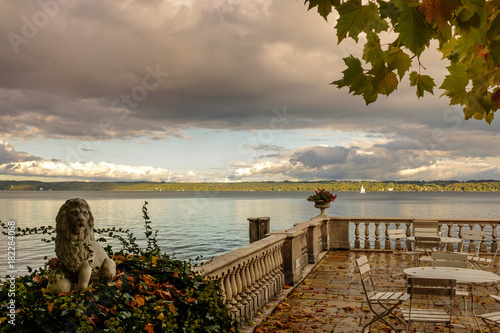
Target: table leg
[(476, 322)]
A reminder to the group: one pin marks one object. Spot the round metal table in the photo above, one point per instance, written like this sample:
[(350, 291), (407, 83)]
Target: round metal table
[(462, 275)]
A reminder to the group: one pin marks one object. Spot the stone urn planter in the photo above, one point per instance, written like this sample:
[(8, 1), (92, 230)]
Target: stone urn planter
[(322, 199), (322, 205)]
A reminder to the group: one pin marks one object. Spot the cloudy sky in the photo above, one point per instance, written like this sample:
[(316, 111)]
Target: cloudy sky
[(219, 90)]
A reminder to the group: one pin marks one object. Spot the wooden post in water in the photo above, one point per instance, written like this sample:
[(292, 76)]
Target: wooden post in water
[(258, 227)]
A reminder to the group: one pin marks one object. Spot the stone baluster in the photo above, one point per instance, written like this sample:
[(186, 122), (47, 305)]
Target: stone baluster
[(279, 266), (243, 294), (227, 289), (267, 277), (387, 244), (239, 289), (261, 282), (272, 272), (377, 235), (483, 247), (357, 243), (229, 292), (461, 231), (408, 234), (450, 246), (494, 241), (247, 290), (258, 290), (254, 292), (367, 235), (278, 269), (397, 243), (472, 243), (234, 292)]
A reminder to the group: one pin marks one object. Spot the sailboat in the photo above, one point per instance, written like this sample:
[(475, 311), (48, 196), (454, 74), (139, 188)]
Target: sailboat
[(362, 189)]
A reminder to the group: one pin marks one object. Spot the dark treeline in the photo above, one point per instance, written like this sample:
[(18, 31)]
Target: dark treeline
[(468, 186)]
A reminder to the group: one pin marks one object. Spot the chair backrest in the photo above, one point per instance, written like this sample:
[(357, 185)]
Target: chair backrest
[(428, 227), (474, 236), (449, 259), (396, 234), (427, 243), (432, 287), (364, 271)]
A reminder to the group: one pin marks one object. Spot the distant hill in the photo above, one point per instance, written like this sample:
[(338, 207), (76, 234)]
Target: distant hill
[(437, 185)]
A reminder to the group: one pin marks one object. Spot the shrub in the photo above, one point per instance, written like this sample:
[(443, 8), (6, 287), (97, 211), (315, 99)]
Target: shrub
[(152, 292)]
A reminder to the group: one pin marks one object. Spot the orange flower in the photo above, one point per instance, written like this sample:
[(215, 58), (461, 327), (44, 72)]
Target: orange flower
[(138, 301), (149, 328), (154, 260)]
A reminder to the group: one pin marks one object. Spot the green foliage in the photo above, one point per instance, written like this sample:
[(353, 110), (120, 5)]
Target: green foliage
[(127, 239), (468, 32), (152, 292)]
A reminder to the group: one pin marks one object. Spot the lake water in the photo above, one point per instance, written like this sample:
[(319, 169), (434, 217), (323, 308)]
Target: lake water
[(211, 223)]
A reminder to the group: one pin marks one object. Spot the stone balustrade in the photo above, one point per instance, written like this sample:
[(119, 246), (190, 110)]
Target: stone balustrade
[(371, 233), (252, 275)]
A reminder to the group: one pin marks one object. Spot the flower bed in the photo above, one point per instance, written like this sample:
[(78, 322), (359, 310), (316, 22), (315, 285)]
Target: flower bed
[(152, 292)]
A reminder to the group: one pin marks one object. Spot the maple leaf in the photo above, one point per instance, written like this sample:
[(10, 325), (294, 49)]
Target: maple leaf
[(454, 84), (324, 6), (494, 47), (496, 97), (494, 28), (438, 12), (354, 76), (398, 60), (388, 10), (383, 82), (372, 52), (413, 30), (354, 18), (423, 83)]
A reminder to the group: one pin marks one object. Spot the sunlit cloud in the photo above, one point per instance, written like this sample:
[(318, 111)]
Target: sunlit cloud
[(93, 171)]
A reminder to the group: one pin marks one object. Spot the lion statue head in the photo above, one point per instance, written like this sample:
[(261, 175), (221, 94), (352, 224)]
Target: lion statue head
[(74, 223)]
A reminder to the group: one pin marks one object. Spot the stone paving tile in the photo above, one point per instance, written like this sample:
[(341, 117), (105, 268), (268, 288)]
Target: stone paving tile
[(330, 299)]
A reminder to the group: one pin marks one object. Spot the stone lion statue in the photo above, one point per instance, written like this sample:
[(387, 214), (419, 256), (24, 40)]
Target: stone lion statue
[(80, 257)]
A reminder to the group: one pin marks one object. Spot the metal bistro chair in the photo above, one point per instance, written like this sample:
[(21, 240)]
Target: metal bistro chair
[(426, 245), (474, 237), (449, 259), (429, 288), (399, 235), (388, 300), (492, 318), (453, 259), (428, 227)]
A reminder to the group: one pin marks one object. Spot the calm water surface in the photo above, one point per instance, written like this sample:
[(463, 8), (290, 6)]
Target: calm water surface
[(211, 223)]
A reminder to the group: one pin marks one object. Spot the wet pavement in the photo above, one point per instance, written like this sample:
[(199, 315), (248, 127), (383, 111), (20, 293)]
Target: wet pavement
[(331, 298)]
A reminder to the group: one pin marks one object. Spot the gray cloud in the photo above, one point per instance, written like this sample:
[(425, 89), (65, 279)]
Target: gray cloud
[(322, 156), (9, 154), (228, 65)]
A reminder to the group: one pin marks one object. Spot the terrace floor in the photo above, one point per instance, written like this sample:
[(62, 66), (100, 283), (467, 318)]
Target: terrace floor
[(330, 299)]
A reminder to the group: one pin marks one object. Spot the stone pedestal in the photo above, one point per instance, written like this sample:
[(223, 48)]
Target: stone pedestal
[(258, 227), (338, 231)]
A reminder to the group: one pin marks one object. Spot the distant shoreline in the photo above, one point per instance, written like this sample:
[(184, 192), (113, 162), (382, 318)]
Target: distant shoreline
[(347, 186)]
